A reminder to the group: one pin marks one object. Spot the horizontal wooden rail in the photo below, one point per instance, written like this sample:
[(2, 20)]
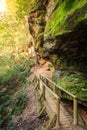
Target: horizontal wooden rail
[(45, 87), (62, 89), (72, 95), (75, 103), (54, 94)]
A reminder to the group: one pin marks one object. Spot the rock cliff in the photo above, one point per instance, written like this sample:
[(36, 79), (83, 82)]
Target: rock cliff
[(59, 29)]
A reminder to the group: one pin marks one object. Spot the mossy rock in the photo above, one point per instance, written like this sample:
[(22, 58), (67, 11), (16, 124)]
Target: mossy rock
[(65, 16), (74, 82)]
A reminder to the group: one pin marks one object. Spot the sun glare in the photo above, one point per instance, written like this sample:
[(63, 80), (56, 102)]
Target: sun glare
[(2, 5)]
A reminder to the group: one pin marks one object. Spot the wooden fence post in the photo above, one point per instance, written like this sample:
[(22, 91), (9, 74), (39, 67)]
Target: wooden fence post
[(36, 83), (58, 112), (54, 89), (43, 87), (43, 92), (75, 111)]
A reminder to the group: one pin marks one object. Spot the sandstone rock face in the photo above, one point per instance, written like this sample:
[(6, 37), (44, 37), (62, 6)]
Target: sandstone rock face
[(66, 33), (37, 21), (59, 29)]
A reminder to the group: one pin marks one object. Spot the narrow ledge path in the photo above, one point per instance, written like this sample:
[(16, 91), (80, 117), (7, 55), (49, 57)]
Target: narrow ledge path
[(29, 120), (66, 120)]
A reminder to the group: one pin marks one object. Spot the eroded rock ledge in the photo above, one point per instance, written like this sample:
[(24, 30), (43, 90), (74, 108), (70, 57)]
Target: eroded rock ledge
[(59, 29)]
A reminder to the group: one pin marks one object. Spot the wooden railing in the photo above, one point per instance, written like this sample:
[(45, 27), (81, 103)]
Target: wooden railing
[(75, 99), (45, 86), (45, 83), (42, 82)]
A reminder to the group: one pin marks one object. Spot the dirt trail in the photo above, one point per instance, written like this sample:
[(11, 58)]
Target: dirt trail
[(45, 68), (29, 120)]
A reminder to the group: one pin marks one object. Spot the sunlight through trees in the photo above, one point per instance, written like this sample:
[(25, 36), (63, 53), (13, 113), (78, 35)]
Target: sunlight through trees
[(2, 5)]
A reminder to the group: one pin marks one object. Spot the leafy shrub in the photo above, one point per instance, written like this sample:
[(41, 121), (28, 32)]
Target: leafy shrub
[(12, 94), (19, 101)]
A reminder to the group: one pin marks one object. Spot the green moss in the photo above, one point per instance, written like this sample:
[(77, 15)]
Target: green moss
[(57, 23), (34, 3), (80, 17), (74, 83)]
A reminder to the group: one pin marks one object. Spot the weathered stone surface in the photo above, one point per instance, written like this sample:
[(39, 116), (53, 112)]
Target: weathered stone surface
[(56, 75), (59, 29), (37, 21)]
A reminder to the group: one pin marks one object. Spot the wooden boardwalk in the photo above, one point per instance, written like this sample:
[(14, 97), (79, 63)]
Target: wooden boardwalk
[(65, 119)]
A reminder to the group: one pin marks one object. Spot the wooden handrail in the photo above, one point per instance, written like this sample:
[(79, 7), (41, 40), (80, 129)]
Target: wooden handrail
[(54, 94), (57, 101), (62, 89), (75, 103)]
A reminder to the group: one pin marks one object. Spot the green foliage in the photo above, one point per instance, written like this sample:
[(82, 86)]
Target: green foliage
[(34, 3), (13, 71), (19, 101), (11, 107), (23, 129), (23, 7), (80, 17), (75, 83), (14, 66), (57, 24), (12, 95)]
